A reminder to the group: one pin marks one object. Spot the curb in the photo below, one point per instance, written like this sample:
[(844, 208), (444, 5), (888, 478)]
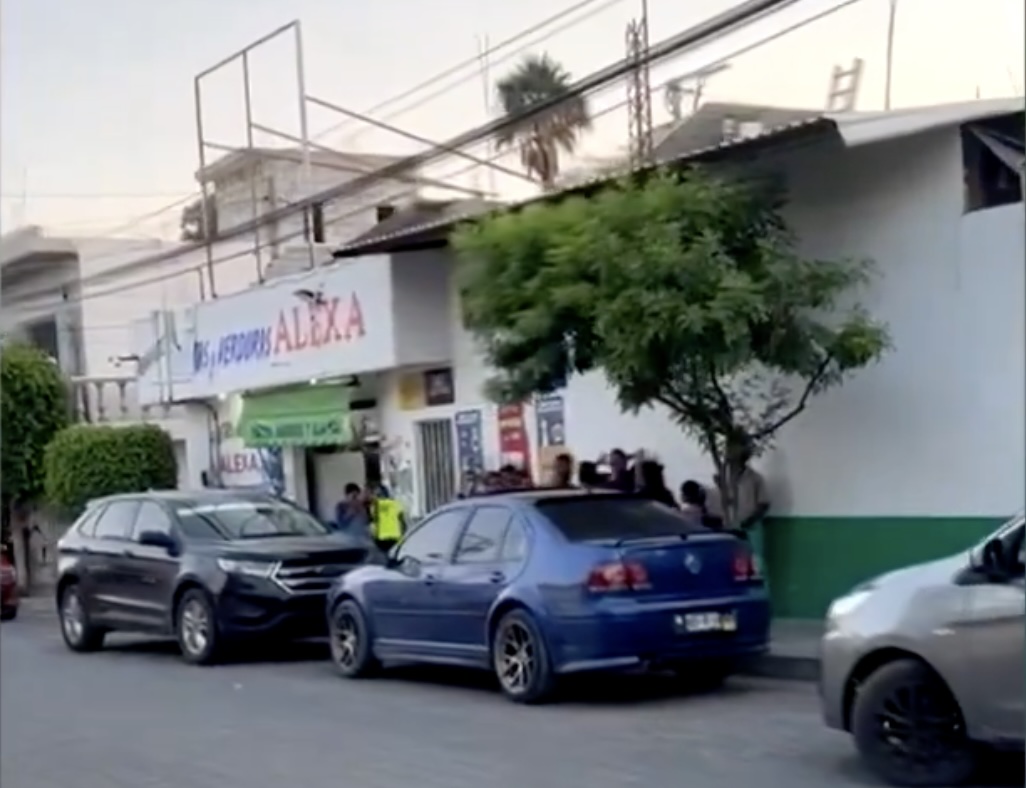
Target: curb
[(786, 667)]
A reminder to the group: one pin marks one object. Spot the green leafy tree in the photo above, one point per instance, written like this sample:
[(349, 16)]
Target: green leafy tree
[(686, 291), (538, 79), (33, 408), (88, 461)]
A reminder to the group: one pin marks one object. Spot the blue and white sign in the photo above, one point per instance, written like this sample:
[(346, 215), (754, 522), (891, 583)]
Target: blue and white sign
[(469, 441), (550, 414)]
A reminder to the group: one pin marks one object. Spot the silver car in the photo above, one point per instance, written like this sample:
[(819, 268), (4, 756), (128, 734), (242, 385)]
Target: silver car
[(923, 665)]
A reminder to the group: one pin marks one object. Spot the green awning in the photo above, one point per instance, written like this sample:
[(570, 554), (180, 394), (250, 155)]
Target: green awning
[(301, 416)]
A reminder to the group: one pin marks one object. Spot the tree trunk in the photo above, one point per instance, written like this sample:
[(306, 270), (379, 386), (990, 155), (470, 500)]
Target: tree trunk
[(21, 535)]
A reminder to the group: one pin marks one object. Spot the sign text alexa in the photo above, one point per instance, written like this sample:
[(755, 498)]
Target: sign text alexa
[(296, 329)]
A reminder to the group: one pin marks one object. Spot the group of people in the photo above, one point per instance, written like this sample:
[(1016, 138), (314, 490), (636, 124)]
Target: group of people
[(643, 475), (372, 512)]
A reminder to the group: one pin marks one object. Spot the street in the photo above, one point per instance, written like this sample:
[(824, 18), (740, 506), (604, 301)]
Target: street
[(134, 716)]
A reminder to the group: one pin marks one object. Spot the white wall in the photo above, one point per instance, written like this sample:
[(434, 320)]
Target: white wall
[(344, 218), (935, 428)]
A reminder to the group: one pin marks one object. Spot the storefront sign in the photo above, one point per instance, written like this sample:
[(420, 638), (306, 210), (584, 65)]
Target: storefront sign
[(514, 448), (328, 323), (300, 416), (319, 323), (469, 441)]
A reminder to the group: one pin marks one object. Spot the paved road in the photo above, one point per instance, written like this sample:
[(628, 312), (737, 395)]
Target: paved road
[(133, 716)]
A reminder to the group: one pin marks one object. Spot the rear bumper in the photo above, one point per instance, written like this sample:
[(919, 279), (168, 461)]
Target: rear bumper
[(623, 634), (286, 616)]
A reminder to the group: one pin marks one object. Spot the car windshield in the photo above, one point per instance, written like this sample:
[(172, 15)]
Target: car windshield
[(610, 517), (245, 519)]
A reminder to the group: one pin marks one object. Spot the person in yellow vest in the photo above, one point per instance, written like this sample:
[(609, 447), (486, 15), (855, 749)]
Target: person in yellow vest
[(388, 520)]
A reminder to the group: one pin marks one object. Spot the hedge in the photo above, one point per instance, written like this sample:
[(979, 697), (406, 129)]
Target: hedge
[(87, 461)]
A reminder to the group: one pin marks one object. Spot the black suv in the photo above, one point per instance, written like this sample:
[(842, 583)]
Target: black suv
[(209, 568)]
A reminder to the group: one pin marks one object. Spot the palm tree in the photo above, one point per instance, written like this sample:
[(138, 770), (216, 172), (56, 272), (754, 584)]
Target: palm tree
[(537, 80)]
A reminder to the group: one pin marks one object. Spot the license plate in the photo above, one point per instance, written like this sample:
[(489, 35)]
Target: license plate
[(697, 623)]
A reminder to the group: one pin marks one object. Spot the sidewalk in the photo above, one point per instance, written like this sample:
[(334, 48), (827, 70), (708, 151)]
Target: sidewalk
[(794, 651)]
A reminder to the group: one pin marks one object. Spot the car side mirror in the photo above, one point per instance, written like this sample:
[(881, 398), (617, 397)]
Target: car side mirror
[(158, 539), (993, 560)]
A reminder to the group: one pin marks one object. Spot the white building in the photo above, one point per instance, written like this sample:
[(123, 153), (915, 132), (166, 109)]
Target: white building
[(916, 456)]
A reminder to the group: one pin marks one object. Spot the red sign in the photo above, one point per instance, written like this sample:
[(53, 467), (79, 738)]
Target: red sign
[(317, 325), (514, 448)]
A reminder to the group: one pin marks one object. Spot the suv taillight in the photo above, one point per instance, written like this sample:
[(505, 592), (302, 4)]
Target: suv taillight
[(618, 576), (746, 566)]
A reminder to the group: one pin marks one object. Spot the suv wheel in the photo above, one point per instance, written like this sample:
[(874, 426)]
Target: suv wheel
[(78, 631), (909, 729), (196, 628)]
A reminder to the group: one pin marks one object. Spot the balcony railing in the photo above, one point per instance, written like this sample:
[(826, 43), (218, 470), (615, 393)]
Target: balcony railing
[(112, 399)]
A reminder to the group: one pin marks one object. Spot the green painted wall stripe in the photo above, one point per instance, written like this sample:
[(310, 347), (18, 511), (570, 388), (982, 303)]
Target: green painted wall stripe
[(812, 560)]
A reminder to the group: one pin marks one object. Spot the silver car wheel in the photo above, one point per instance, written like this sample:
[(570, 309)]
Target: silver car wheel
[(195, 627), (73, 617)]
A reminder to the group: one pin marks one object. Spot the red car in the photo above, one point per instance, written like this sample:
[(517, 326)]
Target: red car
[(8, 588)]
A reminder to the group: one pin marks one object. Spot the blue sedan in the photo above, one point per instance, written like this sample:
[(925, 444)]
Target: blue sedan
[(539, 584)]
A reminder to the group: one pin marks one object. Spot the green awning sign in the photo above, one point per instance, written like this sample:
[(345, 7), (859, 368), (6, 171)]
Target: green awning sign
[(304, 416)]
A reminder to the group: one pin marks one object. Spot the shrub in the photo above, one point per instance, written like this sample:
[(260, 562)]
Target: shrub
[(87, 461), (33, 408)]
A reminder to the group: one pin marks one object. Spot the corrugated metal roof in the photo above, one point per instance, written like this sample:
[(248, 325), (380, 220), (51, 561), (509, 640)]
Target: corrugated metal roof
[(853, 129), (867, 128)]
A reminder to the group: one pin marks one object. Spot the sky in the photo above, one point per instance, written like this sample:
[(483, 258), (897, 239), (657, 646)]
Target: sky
[(97, 119)]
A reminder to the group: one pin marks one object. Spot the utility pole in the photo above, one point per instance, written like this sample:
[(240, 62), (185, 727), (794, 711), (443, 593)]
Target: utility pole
[(639, 91), (891, 16)]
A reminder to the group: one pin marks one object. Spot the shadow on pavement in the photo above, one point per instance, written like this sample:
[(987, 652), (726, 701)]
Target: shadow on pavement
[(246, 654), (1000, 770), (583, 690)]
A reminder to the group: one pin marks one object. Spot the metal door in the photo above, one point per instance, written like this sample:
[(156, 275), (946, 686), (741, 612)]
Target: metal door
[(436, 463)]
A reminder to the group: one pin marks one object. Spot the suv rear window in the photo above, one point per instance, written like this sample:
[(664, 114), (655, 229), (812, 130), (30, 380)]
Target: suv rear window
[(615, 517)]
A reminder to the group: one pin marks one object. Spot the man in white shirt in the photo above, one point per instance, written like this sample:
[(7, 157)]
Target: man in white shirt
[(752, 501)]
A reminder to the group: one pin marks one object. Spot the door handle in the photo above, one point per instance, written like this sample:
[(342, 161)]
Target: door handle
[(497, 577), (429, 580)]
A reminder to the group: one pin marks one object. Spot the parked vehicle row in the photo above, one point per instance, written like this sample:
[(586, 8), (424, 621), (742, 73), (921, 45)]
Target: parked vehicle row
[(923, 666), (532, 585)]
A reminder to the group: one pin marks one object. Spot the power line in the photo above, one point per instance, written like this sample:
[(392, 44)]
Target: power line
[(719, 25), (198, 267), (137, 220), (469, 62)]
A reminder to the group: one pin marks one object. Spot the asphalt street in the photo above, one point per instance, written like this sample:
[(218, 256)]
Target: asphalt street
[(134, 716)]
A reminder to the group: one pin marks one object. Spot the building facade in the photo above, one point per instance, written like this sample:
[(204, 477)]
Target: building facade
[(916, 457)]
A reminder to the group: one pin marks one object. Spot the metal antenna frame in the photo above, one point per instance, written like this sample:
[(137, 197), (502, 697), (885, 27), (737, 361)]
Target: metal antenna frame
[(293, 28), (203, 145), (639, 91)]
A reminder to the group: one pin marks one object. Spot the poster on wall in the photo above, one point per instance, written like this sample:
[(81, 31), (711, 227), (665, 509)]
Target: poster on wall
[(514, 448), (551, 417), (469, 441), (550, 420), (239, 466)]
